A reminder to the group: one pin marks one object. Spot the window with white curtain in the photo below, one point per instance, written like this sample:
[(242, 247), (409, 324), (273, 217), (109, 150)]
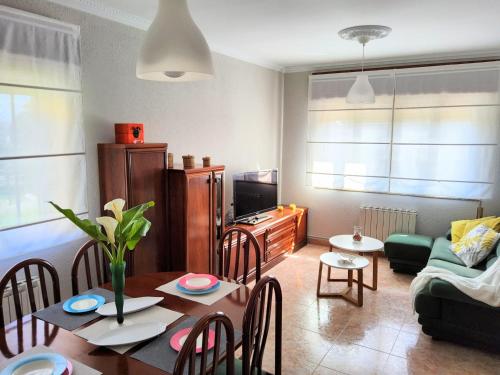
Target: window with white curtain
[(42, 148), (431, 132)]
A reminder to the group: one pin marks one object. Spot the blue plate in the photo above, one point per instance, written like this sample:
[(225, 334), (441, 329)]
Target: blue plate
[(58, 360), (69, 305), (197, 292)]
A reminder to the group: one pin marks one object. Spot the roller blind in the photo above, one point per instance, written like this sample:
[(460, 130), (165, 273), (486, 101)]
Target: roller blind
[(42, 148), (431, 132)]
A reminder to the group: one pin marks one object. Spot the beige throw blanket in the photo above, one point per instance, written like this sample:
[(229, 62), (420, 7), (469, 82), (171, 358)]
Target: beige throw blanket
[(484, 288)]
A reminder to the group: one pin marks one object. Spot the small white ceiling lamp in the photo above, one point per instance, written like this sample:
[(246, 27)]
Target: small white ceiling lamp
[(361, 91), (174, 49)]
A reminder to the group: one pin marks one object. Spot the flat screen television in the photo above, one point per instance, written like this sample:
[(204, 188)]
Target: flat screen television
[(254, 193)]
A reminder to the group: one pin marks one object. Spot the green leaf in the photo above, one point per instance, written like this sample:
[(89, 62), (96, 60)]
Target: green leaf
[(139, 229), (92, 229), (130, 215)]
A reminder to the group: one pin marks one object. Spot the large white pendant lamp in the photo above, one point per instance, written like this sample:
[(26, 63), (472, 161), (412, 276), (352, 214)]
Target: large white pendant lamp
[(174, 49), (361, 91)]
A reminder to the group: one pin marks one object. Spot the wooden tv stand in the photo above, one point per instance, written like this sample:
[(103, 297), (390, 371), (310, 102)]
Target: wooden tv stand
[(285, 232)]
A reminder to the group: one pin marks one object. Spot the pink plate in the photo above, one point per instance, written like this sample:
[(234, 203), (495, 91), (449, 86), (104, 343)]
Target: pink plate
[(180, 337), (198, 281), (69, 368)]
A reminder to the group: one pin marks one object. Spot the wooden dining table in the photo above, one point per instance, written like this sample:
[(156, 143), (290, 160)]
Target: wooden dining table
[(20, 336)]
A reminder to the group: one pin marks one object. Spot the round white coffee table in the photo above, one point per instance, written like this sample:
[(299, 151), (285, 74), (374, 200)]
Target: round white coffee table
[(334, 260), (366, 245)]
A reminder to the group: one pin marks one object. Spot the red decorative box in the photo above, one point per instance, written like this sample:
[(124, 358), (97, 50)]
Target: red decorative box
[(129, 133)]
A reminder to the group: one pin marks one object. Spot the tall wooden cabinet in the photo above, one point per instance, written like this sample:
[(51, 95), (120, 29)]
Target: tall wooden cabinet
[(195, 217), (136, 173)]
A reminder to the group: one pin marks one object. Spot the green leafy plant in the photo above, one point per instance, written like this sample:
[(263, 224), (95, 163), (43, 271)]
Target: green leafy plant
[(122, 232)]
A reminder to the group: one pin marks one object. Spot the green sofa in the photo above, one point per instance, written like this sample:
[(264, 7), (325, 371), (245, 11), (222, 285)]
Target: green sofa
[(448, 314)]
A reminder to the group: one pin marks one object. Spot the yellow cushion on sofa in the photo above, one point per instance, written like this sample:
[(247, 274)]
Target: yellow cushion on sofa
[(458, 227), (475, 245), (493, 223)]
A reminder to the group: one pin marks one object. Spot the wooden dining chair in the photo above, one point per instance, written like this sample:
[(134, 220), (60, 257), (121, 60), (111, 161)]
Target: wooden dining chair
[(31, 335), (10, 279), (229, 263), (188, 355), (256, 323), (99, 260)]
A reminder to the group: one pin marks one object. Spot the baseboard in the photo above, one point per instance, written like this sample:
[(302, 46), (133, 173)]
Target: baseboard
[(313, 240)]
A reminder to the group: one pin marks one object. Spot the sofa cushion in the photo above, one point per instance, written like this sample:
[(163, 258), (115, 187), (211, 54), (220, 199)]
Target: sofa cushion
[(441, 250), (417, 240), (458, 227), (455, 268), (476, 245)]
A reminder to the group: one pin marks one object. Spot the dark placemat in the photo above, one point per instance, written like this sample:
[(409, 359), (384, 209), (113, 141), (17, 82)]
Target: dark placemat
[(158, 353), (56, 315)]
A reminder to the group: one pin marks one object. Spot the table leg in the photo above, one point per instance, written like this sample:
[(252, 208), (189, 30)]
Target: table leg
[(344, 294), (375, 270), (375, 273), (329, 277), (360, 287), (320, 271)]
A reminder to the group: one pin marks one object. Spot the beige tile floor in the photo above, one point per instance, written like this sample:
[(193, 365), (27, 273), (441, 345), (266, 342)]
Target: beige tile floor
[(331, 336)]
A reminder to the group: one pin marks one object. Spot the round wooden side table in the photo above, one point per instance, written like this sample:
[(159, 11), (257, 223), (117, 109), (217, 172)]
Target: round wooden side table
[(367, 245), (334, 260)]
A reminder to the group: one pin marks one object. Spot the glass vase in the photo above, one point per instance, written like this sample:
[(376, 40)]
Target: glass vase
[(118, 282), (357, 234)]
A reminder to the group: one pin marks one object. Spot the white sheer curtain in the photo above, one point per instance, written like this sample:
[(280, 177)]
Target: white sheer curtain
[(431, 132), (42, 148)]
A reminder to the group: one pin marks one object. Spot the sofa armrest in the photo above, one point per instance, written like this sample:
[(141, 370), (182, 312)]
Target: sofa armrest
[(442, 289)]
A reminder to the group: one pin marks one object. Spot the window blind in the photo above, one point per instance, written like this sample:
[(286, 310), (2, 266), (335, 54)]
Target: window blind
[(431, 132), (42, 148)]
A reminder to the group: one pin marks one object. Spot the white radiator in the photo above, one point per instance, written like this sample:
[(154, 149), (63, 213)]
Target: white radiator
[(9, 309), (380, 222)]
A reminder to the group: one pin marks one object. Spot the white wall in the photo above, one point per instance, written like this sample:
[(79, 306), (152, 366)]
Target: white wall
[(235, 118), (334, 212)]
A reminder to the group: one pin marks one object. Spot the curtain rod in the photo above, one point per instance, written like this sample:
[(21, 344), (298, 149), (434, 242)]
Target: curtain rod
[(405, 66)]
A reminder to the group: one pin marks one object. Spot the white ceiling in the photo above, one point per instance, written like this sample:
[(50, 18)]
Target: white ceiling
[(300, 34)]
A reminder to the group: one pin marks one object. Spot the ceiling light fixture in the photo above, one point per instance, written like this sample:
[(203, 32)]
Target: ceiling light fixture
[(361, 91), (174, 49)]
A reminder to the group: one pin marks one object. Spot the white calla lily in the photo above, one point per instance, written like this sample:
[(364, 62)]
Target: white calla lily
[(109, 225), (116, 205)]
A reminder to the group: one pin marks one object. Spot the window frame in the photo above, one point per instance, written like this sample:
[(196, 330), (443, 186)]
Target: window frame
[(393, 73), (42, 22)]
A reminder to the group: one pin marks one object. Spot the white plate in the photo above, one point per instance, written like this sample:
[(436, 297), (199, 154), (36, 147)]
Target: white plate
[(41, 367), (125, 335), (130, 305)]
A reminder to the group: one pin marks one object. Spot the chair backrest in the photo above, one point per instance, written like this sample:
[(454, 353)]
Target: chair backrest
[(32, 335), (101, 266), (228, 260), (11, 277), (188, 354), (256, 322)]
